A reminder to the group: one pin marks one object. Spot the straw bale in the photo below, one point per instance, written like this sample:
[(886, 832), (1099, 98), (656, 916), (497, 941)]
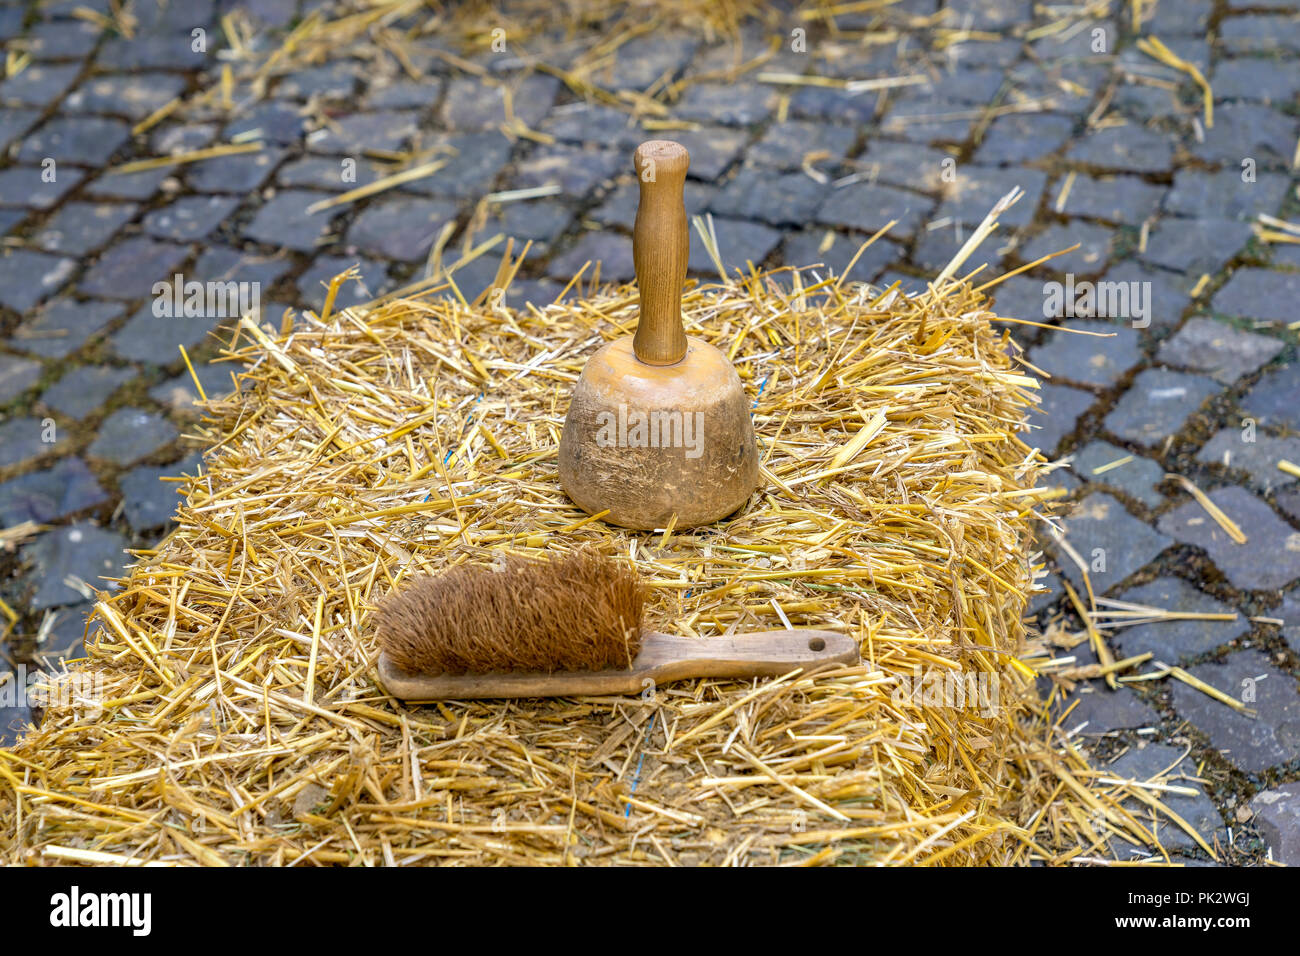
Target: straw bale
[(233, 716)]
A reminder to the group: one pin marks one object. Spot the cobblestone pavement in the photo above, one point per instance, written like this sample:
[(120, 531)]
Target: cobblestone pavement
[(1111, 147)]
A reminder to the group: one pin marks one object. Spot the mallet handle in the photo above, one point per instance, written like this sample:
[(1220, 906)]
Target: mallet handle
[(661, 246)]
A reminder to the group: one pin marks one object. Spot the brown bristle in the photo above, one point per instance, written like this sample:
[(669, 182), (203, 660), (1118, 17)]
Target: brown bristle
[(578, 612)]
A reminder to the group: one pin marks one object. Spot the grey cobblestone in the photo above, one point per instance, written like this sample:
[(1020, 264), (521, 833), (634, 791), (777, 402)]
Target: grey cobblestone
[(147, 500), (239, 173), (326, 172), (1259, 34), (1277, 813), (1091, 257), (80, 552), (396, 96), (138, 185), (84, 389), (1252, 79), (739, 242), (1258, 457), (10, 218), (1273, 399), (1088, 359), (29, 186), (1168, 295), (1195, 246), (66, 488), (1143, 104), (38, 85), (179, 395), (20, 441), (1127, 149), (647, 58), (191, 217), (89, 141), (1254, 744), (155, 339), (1259, 294), (174, 138), (134, 95), (731, 105), (387, 130), (331, 81), (1132, 474), (15, 121), (577, 171), (473, 162), (1264, 530), (1121, 199), (1224, 352), (1022, 298), (63, 325), (1113, 542), (1190, 17), (1060, 408), (28, 278), (593, 123), (52, 40), (612, 249), (820, 103), (977, 189), (1100, 711), (1020, 138), (129, 269), (374, 281), (401, 229), (129, 434), (223, 264), (868, 208), (82, 227), (784, 145), (920, 168), (541, 220), (808, 247), (278, 121), (1177, 641), (16, 376), (1157, 404), (1224, 195), (1144, 762), (786, 199), (1249, 130), (284, 221)]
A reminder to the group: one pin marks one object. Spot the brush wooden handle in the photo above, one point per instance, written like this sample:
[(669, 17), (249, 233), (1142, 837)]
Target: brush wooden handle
[(663, 658), (661, 246)]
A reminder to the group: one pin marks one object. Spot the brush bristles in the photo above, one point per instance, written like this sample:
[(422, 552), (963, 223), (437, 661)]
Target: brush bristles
[(579, 612)]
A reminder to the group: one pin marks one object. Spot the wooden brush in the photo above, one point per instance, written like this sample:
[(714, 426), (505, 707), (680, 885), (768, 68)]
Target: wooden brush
[(561, 627)]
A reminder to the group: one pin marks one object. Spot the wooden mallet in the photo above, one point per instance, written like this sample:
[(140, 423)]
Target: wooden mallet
[(659, 425)]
